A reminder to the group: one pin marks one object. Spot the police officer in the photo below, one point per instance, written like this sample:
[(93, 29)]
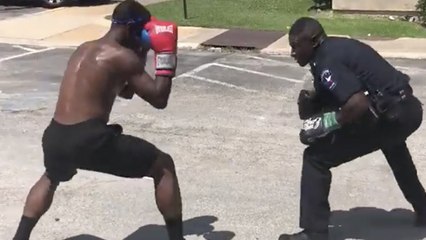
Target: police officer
[(361, 104)]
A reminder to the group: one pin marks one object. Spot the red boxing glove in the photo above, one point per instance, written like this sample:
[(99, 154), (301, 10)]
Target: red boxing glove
[(163, 38)]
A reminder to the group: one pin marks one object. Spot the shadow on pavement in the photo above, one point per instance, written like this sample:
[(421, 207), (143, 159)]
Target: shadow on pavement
[(200, 226), (370, 223)]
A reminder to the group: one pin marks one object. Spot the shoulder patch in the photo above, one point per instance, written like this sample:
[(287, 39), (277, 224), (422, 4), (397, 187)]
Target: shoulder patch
[(327, 79)]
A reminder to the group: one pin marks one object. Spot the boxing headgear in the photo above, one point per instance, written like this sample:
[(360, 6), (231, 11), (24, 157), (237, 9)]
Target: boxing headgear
[(145, 39), (143, 34)]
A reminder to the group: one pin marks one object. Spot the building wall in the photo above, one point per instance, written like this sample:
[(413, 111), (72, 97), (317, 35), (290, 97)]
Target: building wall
[(375, 5)]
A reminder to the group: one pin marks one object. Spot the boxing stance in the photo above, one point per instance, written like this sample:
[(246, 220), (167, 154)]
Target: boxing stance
[(78, 136)]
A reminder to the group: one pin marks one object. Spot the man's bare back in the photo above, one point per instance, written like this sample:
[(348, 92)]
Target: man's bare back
[(93, 79)]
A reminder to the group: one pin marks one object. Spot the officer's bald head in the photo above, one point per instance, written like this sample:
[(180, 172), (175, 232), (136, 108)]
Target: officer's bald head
[(305, 35), (307, 28)]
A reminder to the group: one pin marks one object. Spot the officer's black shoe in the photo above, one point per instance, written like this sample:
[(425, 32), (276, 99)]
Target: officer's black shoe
[(304, 235)]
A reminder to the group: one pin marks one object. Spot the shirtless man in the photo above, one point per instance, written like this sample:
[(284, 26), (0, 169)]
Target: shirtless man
[(78, 136)]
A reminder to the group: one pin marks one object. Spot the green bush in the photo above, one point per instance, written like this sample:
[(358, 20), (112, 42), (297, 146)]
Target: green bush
[(322, 1), (421, 7)]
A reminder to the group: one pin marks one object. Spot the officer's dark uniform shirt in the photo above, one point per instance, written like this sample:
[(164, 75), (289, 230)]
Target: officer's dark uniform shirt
[(342, 67)]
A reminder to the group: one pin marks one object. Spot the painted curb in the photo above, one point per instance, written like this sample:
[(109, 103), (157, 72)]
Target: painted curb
[(189, 45), (385, 54)]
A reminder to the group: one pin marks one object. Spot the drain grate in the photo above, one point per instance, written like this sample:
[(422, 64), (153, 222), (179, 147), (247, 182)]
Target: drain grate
[(244, 39)]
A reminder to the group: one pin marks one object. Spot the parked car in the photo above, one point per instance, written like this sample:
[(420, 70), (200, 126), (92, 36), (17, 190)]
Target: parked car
[(61, 3), (54, 3)]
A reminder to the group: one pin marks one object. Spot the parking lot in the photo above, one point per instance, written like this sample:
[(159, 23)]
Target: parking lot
[(17, 8), (231, 127)]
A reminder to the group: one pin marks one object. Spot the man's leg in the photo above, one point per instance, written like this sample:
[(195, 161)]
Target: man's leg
[(315, 188), (404, 170), (59, 168), (316, 180), (133, 157), (410, 117), (167, 195), (37, 203)]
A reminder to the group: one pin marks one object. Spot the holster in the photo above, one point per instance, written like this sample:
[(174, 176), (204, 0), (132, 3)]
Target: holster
[(386, 105)]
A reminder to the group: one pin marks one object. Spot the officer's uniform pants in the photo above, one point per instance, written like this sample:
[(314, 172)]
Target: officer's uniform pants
[(347, 145)]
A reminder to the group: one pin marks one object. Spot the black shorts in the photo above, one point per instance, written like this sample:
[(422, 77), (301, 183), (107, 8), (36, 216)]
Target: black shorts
[(95, 146)]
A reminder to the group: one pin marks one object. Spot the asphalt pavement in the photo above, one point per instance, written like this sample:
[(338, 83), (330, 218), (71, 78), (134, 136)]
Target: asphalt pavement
[(231, 127), (10, 9)]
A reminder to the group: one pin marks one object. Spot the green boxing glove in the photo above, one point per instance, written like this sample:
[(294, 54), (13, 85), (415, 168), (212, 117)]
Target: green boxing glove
[(318, 126)]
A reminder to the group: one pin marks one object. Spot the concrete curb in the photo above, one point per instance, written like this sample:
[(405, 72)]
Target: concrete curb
[(85, 24), (194, 42), (405, 55)]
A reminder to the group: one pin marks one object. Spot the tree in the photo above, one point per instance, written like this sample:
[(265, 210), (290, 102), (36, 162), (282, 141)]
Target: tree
[(421, 7)]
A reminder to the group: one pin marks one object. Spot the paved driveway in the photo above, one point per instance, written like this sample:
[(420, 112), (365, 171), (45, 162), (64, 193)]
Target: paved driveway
[(231, 127)]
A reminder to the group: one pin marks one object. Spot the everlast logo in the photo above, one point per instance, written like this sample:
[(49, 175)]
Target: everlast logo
[(161, 29)]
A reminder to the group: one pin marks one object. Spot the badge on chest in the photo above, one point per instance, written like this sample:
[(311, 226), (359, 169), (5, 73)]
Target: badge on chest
[(327, 79)]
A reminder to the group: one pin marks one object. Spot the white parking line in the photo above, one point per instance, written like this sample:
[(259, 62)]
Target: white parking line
[(401, 68), (412, 69), (258, 73), (197, 69), (24, 54), (274, 61), (25, 48), (193, 74), (218, 82), (205, 66)]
